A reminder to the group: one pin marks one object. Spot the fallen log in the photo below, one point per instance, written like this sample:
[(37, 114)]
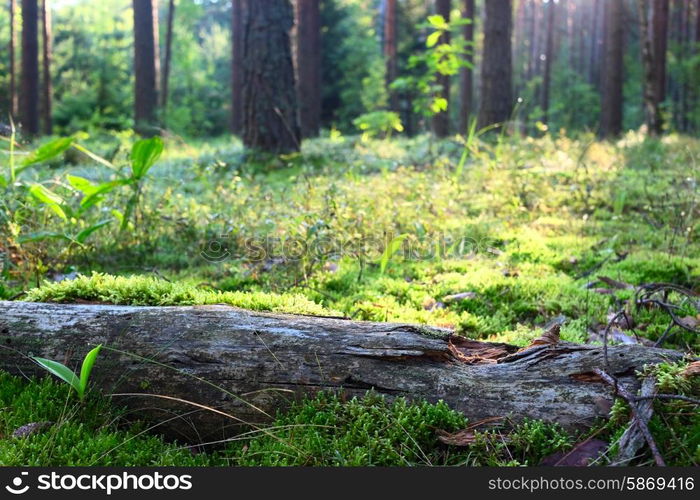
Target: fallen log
[(249, 364)]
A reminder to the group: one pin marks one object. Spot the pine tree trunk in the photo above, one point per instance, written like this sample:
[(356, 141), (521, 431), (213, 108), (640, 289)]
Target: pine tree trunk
[(166, 66), (441, 120), (47, 92), (496, 67), (652, 115), (146, 66), (29, 96), (237, 66), (270, 113), (467, 73), (611, 106), (13, 65), (390, 52), (595, 75), (308, 58), (549, 56), (660, 43)]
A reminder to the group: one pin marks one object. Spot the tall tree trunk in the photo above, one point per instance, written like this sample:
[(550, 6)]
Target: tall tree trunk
[(549, 56), (13, 66), (308, 55), (652, 117), (611, 106), (441, 120), (660, 43), (168, 57), (270, 113), (237, 66), (146, 66), (496, 67), (29, 96), (696, 68), (47, 92), (466, 89), (390, 52), (593, 65)]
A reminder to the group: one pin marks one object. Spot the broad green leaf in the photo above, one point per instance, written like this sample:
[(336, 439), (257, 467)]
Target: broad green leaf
[(438, 22), (86, 369), (61, 371), (96, 195), (393, 247), (85, 233), (144, 154), (433, 39), (46, 152), (49, 198), (82, 184)]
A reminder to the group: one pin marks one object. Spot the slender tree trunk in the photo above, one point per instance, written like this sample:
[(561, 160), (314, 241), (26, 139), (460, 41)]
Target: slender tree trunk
[(237, 67), (496, 67), (270, 113), (47, 93), (582, 32), (660, 43), (466, 90), (651, 105), (593, 65), (13, 66), (441, 120), (549, 56), (390, 52), (308, 56), (146, 66), (29, 97), (168, 57), (696, 68), (611, 106)]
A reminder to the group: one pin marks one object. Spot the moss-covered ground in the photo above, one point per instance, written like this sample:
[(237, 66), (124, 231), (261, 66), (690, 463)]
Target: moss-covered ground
[(493, 238)]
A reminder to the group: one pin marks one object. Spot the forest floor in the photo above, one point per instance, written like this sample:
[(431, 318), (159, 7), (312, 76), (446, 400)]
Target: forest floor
[(492, 238)]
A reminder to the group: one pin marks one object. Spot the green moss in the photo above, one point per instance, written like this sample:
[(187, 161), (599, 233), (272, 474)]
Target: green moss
[(151, 291), (326, 431), (89, 433)]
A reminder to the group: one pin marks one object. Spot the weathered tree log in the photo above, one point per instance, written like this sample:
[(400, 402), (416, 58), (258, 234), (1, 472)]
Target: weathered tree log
[(250, 364)]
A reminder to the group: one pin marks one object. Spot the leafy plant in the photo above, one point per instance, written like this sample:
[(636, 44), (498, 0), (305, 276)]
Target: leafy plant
[(393, 247), (79, 384), (378, 123), (439, 58)]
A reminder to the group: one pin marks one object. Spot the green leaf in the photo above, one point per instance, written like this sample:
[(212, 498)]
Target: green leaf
[(393, 247), (61, 371), (85, 233), (433, 39), (96, 195), (41, 236), (439, 104), (438, 22), (86, 369), (46, 152), (81, 184), (49, 198), (144, 154)]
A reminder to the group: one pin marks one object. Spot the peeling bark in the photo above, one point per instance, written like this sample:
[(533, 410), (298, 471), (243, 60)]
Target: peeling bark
[(256, 363)]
